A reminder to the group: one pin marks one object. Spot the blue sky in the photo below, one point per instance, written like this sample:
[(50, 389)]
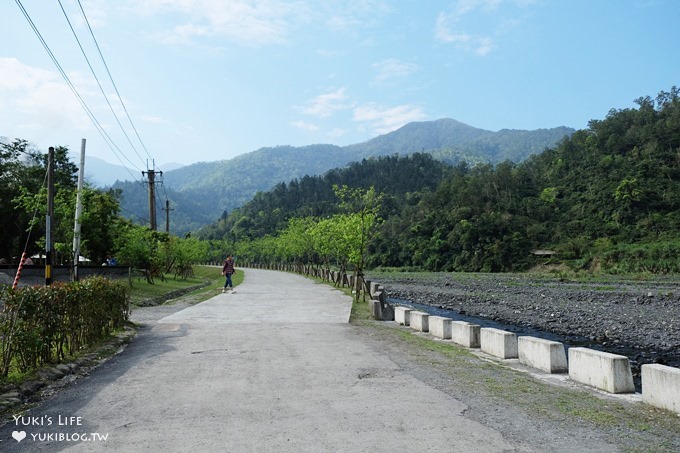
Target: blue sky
[(205, 80)]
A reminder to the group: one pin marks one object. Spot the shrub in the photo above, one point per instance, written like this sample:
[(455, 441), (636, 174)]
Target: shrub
[(40, 325)]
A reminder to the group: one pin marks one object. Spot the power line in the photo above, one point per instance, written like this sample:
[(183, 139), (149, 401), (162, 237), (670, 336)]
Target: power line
[(109, 141), (87, 60), (115, 87)]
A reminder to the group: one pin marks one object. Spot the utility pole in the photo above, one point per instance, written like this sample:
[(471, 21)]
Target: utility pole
[(79, 211), (167, 215), (49, 248), (151, 174)]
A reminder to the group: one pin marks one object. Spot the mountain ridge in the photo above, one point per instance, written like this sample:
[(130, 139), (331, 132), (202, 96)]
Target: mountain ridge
[(201, 192)]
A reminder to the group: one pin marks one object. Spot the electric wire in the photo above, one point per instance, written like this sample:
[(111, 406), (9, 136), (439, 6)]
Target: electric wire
[(94, 74), (107, 138), (115, 87), (109, 141)]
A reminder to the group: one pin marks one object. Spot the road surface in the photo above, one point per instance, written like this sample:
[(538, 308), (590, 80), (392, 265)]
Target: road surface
[(274, 366)]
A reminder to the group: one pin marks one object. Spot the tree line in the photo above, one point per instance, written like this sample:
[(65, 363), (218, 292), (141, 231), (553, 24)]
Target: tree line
[(606, 197), (104, 232)]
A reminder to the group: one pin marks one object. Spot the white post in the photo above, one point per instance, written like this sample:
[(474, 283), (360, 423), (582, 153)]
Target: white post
[(79, 211)]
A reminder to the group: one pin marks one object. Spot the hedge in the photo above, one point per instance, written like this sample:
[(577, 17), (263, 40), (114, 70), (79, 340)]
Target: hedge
[(42, 325)]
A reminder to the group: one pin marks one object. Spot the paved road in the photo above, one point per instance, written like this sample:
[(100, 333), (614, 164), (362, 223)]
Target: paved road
[(272, 367)]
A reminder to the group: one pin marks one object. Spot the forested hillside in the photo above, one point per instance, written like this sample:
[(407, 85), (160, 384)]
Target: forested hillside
[(199, 193), (607, 196), (268, 212)]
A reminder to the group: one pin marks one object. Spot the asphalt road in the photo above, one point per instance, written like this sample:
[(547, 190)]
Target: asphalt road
[(273, 367)]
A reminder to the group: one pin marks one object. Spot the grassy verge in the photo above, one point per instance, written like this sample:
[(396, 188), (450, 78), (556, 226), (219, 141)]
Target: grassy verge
[(460, 372), (205, 282)]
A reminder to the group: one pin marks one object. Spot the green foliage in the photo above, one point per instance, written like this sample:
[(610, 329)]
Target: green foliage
[(201, 192), (340, 240), (607, 196), (269, 212), (655, 258), (23, 202), (158, 253), (41, 325), (616, 183), (179, 255)]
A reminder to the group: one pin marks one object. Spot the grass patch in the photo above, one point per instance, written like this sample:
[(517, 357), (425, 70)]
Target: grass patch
[(466, 374), (206, 279)]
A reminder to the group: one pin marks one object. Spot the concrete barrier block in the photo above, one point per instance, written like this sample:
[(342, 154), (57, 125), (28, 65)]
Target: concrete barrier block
[(376, 309), (498, 343), (546, 355), (465, 334), (440, 327), (602, 370), (419, 321), (661, 386), (402, 315)]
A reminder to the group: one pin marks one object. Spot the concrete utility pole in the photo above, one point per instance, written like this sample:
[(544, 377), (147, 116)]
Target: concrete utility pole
[(151, 174), (49, 248), (79, 211)]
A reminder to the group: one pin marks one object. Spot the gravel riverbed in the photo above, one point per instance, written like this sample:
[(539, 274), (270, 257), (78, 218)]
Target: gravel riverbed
[(639, 319)]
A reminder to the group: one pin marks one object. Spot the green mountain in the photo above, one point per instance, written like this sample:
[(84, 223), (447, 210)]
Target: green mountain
[(606, 197), (200, 193), (398, 178)]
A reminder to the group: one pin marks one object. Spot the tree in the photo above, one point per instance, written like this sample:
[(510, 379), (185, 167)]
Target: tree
[(358, 227)]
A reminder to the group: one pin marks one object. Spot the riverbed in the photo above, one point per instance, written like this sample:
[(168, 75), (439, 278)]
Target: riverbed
[(636, 318)]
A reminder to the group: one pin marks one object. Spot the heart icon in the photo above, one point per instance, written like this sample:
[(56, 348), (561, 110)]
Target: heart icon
[(19, 435)]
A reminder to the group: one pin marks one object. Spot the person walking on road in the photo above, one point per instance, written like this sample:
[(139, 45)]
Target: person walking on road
[(228, 270)]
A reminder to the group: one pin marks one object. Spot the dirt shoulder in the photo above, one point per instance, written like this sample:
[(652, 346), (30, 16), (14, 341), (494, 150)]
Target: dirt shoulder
[(535, 414)]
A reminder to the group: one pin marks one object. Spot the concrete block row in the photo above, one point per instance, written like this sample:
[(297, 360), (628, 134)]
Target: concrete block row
[(419, 320), (602, 370)]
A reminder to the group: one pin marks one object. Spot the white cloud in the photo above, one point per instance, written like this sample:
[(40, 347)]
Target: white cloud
[(382, 120), (305, 126), (452, 26), (350, 15), (258, 22), (337, 132), (393, 68), (446, 31), (95, 10), (248, 22), (324, 105), (35, 101)]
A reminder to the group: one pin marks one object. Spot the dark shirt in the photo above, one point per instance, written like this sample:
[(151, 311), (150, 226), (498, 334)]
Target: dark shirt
[(228, 267)]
